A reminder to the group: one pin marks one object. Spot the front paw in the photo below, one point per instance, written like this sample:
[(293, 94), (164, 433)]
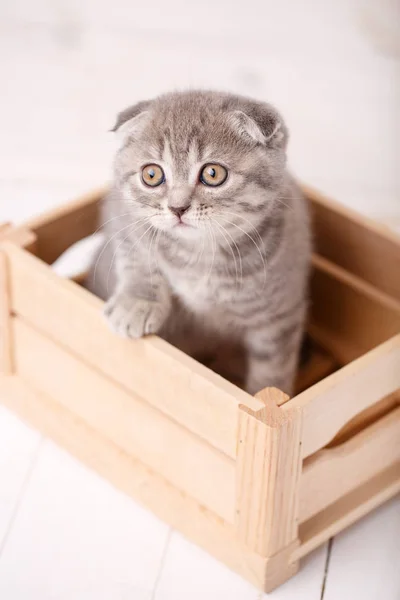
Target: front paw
[(134, 317)]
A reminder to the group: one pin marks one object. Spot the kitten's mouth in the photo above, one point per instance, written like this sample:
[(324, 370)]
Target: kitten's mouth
[(182, 224)]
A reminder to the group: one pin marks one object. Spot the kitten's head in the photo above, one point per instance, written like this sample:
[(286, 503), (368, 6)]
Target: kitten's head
[(191, 160)]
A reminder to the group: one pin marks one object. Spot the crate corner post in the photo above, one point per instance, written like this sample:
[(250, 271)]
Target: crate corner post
[(269, 462)]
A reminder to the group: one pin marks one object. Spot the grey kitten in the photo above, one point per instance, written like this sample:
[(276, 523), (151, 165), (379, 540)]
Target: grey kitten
[(209, 236)]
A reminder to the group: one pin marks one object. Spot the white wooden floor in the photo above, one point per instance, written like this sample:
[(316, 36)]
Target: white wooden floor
[(66, 66)]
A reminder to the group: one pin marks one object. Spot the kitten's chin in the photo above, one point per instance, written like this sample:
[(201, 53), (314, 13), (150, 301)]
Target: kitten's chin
[(185, 231), (182, 225), (180, 229)]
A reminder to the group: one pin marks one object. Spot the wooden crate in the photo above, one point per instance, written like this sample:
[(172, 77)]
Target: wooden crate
[(258, 482)]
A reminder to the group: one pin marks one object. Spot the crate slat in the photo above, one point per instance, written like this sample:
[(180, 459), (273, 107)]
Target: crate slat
[(21, 235), (349, 316), (366, 418), (180, 387), (331, 403), (317, 367), (348, 510), (363, 247), (332, 473), (60, 228), (128, 421), (131, 477)]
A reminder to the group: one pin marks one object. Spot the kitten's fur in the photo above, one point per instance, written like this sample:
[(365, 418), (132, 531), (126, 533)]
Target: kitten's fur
[(231, 289)]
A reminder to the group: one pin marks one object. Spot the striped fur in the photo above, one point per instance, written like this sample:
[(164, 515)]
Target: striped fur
[(231, 288)]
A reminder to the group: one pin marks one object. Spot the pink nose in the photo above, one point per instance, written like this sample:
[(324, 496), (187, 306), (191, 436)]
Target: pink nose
[(178, 210)]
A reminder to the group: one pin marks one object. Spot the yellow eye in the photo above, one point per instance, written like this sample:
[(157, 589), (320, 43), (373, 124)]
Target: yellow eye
[(213, 174), (153, 175)]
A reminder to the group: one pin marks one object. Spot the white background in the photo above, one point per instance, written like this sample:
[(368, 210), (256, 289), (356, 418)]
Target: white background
[(66, 67)]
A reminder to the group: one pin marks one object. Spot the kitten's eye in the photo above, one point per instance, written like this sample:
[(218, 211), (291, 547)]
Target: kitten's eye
[(213, 174), (153, 175)]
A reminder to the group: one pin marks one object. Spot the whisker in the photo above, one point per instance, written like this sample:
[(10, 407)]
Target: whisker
[(224, 231), (140, 202), (291, 197), (284, 203), (214, 245), (159, 234), (256, 245), (109, 221), (138, 240), (239, 255), (108, 243), (202, 251), (149, 255), (117, 248), (247, 221)]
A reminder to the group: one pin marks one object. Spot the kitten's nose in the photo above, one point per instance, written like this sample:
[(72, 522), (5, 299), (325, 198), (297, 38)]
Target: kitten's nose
[(178, 210)]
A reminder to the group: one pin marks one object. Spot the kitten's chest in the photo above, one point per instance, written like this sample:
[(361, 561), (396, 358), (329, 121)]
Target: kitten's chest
[(199, 292)]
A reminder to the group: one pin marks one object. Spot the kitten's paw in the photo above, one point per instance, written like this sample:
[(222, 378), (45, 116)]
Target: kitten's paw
[(134, 317)]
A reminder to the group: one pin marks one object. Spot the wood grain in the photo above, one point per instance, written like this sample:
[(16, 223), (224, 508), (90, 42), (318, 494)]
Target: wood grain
[(366, 418), (61, 227), (130, 476), (268, 474), (19, 235), (332, 473), (349, 316), (334, 401), (117, 419), (186, 461), (319, 366), (180, 387), (348, 510), (361, 246)]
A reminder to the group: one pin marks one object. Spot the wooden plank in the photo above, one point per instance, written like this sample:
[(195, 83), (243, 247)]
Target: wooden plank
[(358, 244), (177, 509), (281, 567), (366, 418), (348, 510), (180, 387), (185, 460), (331, 403), (330, 474), (21, 236), (268, 474), (348, 316), (61, 227), (6, 359), (130, 476), (320, 365)]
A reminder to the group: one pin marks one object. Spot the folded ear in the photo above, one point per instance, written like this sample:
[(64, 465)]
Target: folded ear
[(130, 120), (261, 124)]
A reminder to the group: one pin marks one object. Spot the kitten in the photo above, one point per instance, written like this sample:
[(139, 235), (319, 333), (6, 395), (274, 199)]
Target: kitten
[(209, 240)]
